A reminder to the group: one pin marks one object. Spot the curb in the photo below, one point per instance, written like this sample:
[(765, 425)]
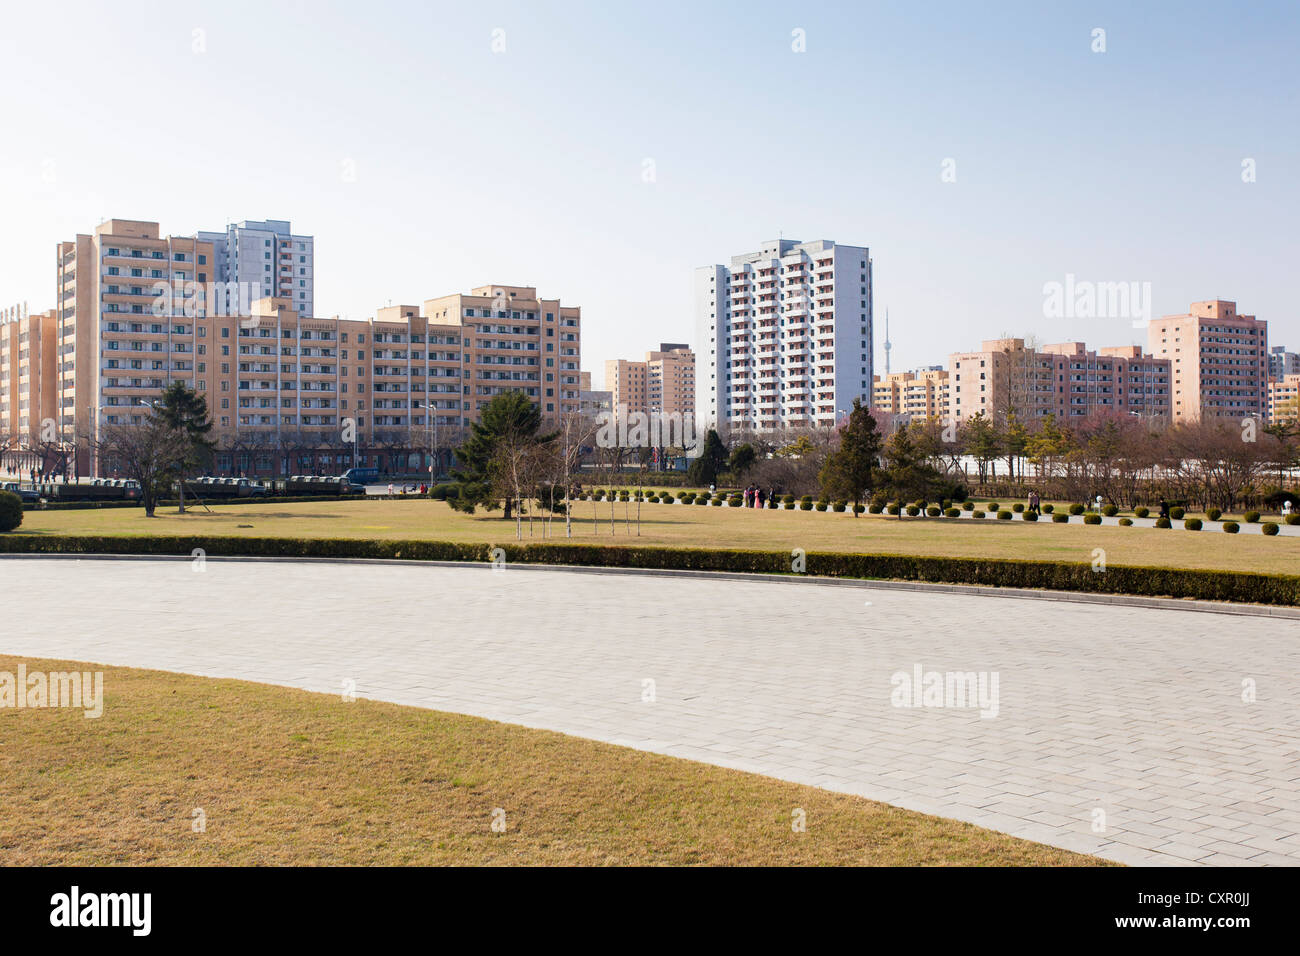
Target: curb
[(1071, 597)]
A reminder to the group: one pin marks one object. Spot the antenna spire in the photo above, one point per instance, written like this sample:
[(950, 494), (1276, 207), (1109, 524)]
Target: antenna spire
[(888, 344)]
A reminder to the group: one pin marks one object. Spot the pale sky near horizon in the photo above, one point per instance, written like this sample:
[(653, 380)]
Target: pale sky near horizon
[(527, 165)]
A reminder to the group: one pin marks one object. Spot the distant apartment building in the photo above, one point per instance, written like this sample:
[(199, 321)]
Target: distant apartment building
[(664, 383), (1219, 361), (784, 335), (1064, 380), (268, 256), (274, 379), (1284, 399), (922, 393), (1282, 363)]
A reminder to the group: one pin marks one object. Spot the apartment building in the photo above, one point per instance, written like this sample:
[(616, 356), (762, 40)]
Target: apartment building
[(784, 335), (922, 393), (267, 257), (1284, 399), (1282, 363), (664, 383), (28, 374), (1064, 380), (1219, 360)]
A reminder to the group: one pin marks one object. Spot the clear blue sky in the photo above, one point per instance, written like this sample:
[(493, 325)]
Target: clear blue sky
[(525, 166)]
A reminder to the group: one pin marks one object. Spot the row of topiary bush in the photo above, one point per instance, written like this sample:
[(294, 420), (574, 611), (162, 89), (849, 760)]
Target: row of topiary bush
[(1055, 575), (191, 502)]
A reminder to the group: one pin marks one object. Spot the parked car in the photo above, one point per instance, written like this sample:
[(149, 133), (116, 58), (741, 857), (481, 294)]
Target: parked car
[(30, 496)]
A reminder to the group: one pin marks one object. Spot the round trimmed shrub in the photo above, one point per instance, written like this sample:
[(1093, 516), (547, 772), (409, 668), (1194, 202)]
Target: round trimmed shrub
[(839, 505), (1126, 522), (1076, 509), (1252, 517), (1060, 517), (681, 495), (913, 511), (1141, 512), (1176, 513), (891, 509), (1092, 519), (706, 495), (875, 508), (1231, 527), (1192, 524), (1030, 516), (717, 502), (858, 509), (1293, 519), (968, 506), (977, 513), (11, 511), (805, 505), (1110, 511), (934, 511), (1162, 523), (953, 513), (787, 499), (821, 506), (1018, 508), (945, 504), (1214, 514), (994, 506), (1048, 509), (702, 499), (1270, 528), (1004, 515)]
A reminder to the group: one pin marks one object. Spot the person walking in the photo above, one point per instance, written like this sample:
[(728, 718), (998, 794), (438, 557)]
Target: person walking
[(1164, 508)]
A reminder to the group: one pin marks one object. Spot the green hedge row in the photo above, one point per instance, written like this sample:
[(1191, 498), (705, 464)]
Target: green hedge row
[(1054, 575)]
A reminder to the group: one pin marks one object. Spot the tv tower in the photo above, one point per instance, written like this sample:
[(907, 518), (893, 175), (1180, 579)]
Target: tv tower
[(888, 345)]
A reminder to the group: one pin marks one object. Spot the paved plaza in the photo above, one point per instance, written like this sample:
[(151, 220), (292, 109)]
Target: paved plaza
[(1144, 735)]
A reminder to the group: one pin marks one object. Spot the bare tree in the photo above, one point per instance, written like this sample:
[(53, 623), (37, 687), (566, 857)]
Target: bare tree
[(149, 453)]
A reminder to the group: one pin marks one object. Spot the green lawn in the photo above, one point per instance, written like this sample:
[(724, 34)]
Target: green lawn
[(284, 777), (703, 526)]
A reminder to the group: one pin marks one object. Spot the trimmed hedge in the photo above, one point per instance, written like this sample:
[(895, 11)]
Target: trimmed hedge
[(1162, 523), (1060, 517), (1018, 508), (1214, 514), (968, 506), (1110, 511), (1231, 527), (1270, 528), (1249, 587), (1048, 509), (1177, 513), (1293, 519), (913, 511), (1004, 515), (1252, 517), (1030, 516), (934, 511), (1092, 518), (1192, 524), (1141, 511), (1126, 522), (11, 511), (1076, 509), (977, 513), (953, 513)]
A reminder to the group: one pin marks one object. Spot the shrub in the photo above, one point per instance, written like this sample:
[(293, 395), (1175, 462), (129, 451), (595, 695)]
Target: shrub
[(1176, 513), (977, 513), (1076, 509), (945, 504), (706, 495), (1214, 514), (953, 513), (934, 511), (1030, 516), (1293, 519), (702, 499), (1110, 511), (821, 506), (1252, 517), (805, 505), (1092, 519), (1162, 523), (787, 499), (858, 509), (1192, 524), (994, 506), (891, 509), (1141, 511), (875, 508), (1004, 515), (1048, 509), (839, 505), (11, 511), (1231, 527), (968, 506), (1018, 508), (1270, 528), (913, 511), (1126, 522), (1060, 517)]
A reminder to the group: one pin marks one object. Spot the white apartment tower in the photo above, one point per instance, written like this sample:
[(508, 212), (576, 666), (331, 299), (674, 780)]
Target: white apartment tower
[(784, 335), (269, 254)]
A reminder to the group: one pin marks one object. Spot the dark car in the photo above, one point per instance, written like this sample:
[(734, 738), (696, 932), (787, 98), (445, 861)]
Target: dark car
[(30, 496)]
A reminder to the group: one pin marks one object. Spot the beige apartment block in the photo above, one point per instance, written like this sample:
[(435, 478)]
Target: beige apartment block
[(28, 377), (1219, 360), (1284, 399), (663, 384), (919, 394), (1064, 380)]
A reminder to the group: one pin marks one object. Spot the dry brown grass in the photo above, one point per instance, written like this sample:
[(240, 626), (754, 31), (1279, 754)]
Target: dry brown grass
[(288, 777)]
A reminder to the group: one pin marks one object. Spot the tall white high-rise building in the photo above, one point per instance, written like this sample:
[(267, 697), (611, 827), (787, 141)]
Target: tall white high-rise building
[(783, 335), (267, 253)]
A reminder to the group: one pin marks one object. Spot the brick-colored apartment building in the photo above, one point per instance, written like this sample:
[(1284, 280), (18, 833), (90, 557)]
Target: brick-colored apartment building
[(280, 386), (921, 394), (664, 383), (1219, 360)]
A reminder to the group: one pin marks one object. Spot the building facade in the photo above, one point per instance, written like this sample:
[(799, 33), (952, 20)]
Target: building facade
[(663, 384), (266, 257), (922, 393), (1282, 363), (784, 335), (1284, 399), (1219, 361)]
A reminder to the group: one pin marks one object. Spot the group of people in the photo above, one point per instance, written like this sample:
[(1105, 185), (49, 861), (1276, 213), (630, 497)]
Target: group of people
[(756, 497)]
